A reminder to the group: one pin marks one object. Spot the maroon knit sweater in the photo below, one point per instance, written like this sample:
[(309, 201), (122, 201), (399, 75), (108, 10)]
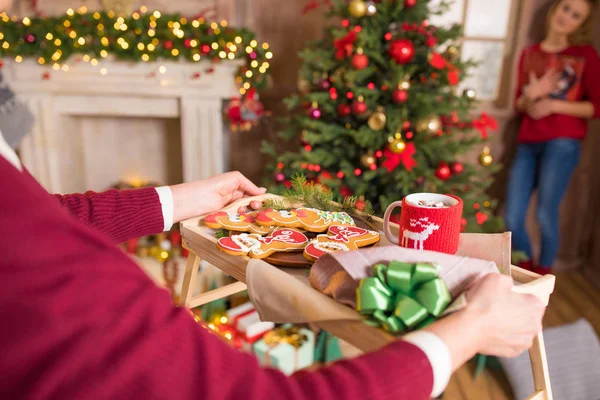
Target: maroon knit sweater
[(81, 321)]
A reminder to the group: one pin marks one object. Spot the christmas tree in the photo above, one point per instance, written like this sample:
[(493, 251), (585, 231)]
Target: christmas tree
[(379, 113)]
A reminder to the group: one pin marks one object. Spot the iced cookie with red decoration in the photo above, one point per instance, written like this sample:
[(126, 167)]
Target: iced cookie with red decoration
[(256, 246), (237, 222), (308, 219), (340, 238)]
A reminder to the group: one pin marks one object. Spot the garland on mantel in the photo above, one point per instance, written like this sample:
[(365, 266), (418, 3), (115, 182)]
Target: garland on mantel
[(141, 37)]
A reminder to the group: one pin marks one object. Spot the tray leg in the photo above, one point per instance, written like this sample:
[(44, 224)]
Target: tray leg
[(189, 279), (539, 367)]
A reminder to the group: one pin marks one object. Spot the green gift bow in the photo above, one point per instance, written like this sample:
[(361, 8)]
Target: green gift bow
[(402, 296)]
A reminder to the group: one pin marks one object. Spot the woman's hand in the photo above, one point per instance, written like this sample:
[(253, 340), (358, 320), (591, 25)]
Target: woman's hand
[(542, 87), (496, 321), (541, 108), (508, 321), (212, 194)]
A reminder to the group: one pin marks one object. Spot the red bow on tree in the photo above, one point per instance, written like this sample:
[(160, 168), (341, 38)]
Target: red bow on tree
[(483, 123), (392, 160), (344, 47)]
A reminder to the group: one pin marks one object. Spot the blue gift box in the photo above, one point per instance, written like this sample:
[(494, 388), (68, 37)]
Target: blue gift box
[(284, 356)]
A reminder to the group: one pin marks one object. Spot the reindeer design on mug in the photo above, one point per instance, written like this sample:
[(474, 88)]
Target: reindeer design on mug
[(418, 238)]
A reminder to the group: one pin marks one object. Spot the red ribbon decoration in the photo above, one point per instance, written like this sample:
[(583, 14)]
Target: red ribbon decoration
[(344, 47), (483, 123), (392, 160)]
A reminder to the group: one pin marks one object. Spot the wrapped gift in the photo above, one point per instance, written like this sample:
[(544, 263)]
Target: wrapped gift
[(286, 348), (327, 348), (243, 327)]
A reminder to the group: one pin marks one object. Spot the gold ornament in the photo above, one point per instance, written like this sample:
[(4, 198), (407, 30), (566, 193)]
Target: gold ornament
[(377, 120), (357, 8), (430, 124), (371, 8), (367, 160), (452, 53), (303, 86), (485, 158), (396, 145), (470, 93)]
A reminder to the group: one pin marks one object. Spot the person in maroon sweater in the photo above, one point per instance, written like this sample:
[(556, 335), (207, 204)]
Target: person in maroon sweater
[(558, 90), (82, 321)]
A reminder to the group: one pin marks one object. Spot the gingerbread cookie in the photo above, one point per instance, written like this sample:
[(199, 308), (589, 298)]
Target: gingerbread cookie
[(340, 238), (244, 222), (256, 246), (308, 219)]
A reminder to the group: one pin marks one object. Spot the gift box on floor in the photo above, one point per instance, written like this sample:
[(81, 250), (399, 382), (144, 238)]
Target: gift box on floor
[(242, 327), (286, 348)]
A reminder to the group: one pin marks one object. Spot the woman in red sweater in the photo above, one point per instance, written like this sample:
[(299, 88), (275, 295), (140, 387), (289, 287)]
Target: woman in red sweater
[(558, 91)]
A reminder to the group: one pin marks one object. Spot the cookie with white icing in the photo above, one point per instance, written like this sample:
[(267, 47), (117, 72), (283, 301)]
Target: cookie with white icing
[(340, 238)]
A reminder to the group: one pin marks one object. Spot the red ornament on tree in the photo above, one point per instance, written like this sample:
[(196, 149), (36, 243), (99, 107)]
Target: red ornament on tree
[(325, 84), (402, 51), (314, 112), (453, 77), (168, 45), (457, 167), (360, 61), (431, 41), (409, 3), (187, 43), (344, 110), (359, 107), (399, 96), (443, 172)]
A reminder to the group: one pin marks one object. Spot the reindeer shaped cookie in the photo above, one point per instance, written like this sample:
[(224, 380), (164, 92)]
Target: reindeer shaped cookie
[(256, 246), (309, 219), (237, 222), (340, 238)]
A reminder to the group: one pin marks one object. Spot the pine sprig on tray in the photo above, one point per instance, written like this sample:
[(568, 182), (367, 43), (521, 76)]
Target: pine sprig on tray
[(221, 233), (317, 196)]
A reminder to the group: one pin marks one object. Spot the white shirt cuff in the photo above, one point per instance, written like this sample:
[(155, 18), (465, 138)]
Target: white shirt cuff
[(439, 357), (166, 201)]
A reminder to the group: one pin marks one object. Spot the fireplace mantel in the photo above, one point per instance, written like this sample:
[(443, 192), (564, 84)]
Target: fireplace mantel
[(191, 92)]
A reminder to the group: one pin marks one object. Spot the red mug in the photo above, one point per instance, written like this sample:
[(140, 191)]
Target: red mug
[(425, 227)]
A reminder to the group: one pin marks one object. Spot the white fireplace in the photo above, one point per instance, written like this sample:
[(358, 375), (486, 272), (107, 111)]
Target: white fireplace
[(97, 124)]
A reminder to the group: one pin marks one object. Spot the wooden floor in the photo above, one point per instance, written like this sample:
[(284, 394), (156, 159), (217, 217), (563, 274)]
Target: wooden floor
[(573, 298)]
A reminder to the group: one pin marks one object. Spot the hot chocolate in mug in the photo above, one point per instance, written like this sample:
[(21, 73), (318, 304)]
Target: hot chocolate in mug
[(428, 221)]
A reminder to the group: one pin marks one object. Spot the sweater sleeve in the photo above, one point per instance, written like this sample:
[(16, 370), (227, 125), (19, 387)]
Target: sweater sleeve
[(119, 214), (86, 322), (591, 80)]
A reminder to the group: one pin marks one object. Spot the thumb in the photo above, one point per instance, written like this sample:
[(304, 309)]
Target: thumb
[(250, 188)]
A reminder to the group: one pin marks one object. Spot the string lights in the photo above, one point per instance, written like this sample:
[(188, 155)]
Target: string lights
[(141, 37)]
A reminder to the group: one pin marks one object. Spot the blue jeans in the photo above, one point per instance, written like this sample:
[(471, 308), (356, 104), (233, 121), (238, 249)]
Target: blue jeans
[(547, 166)]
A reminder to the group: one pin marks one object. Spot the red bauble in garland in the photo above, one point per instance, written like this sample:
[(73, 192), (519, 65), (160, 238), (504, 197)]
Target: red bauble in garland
[(359, 107), (399, 96), (168, 44), (431, 41), (457, 168), (344, 110), (360, 61), (443, 172), (187, 43), (402, 51), (409, 3)]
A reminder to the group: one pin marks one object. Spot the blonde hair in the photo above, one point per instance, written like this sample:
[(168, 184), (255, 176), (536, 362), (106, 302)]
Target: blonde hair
[(583, 34)]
